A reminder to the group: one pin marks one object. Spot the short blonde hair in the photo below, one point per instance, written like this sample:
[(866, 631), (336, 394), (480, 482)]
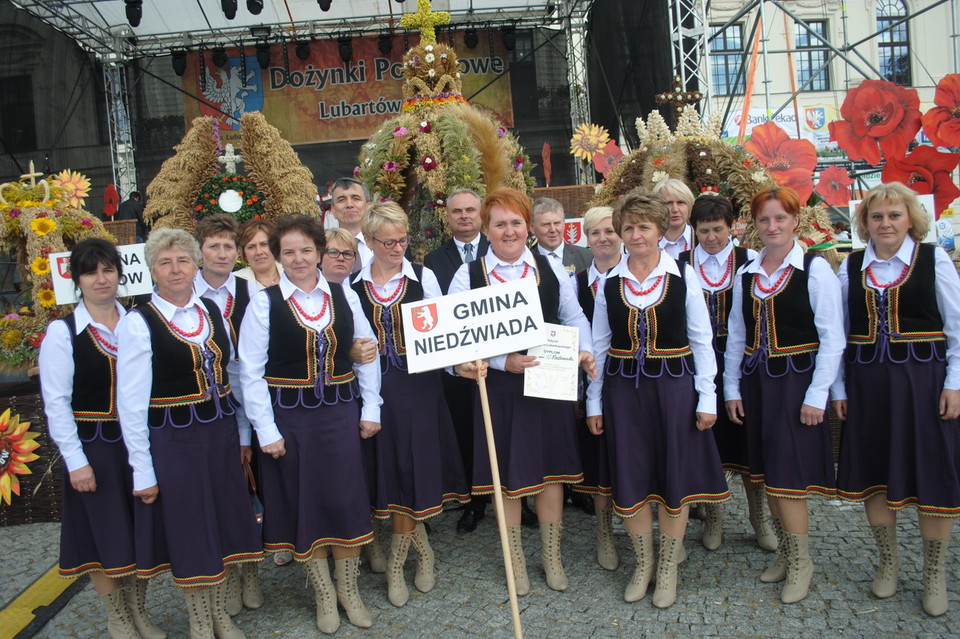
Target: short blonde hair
[(380, 214), (639, 204), (673, 186), (343, 236), (170, 239), (893, 193), (594, 216)]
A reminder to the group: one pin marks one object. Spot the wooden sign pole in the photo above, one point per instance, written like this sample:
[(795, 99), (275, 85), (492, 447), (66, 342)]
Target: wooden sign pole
[(498, 505)]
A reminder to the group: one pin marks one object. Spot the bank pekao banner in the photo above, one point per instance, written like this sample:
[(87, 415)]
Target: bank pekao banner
[(484, 322), (322, 98)]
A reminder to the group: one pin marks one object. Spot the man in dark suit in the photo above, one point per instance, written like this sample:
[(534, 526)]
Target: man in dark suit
[(463, 218), (548, 223)]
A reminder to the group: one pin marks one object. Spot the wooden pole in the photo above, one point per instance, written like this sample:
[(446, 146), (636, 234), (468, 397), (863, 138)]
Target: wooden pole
[(498, 505)]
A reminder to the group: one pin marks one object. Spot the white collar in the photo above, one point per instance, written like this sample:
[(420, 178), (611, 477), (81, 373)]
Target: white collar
[(556, 251), (794, 258), (595, 273), (904, 253), (492, 261), (666, 265), (82, 317), (167, 309), (475, 242), (701, 256), (287, 288), (201, 285), (360, 239), (405, 270), (685, 236)]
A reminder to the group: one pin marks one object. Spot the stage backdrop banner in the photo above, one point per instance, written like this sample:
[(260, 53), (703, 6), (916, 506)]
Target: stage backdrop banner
[(323, 99)]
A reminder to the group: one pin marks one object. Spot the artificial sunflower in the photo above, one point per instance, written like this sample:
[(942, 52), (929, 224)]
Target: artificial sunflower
[(588, 140), (75, 184), (11, 338), (17, 444), (42, 225), (40, 266), (47, 298)]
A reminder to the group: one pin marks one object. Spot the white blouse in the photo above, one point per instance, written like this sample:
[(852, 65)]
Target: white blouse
[(714, 266), (430, 284)]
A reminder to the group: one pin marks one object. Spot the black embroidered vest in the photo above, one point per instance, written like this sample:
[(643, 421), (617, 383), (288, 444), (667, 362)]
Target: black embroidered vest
[(548, 286), (912, 316), (292, 356), (238, 309), (412, 291), (94, 385), (666, 326), (585, 294), (790, 329), (179, 379), (718, 302)]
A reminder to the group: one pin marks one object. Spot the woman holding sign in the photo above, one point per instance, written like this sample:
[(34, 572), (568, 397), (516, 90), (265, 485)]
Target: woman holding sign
[(901, 442), (78, 375), (535, 438), (656, 397), (303, 394), (416, 466)]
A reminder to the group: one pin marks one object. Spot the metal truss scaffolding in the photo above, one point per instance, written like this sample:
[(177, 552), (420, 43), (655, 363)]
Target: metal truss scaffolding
[(575, 28), (690, 48), (118, 117)]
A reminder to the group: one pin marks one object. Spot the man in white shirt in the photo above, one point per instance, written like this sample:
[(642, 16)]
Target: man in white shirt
[(350, 198), (548, 224)]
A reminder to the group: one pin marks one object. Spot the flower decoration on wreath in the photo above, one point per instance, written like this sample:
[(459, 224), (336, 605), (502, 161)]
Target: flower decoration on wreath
[(17, 446), (37, 218), (235, 195)]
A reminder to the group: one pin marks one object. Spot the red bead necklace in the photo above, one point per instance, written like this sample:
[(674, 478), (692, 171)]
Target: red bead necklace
[(873, 280), (229, 306), (723, 278), (655, 284), (595, 286), (776, 285), (303, 313), (96, 334), (384, 300), (194, 333), (526, 269)]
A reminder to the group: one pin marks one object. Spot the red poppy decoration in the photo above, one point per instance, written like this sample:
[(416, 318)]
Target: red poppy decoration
[(608, 158), (790, 162), (877, 116), (428, 163), (926, 170), (942, 123), (834, 186)]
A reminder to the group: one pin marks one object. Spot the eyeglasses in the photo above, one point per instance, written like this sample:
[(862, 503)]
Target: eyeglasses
[(389, 244), (347, 255)]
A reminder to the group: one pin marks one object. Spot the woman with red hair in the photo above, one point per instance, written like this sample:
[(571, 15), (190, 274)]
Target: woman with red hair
[(783, 352)]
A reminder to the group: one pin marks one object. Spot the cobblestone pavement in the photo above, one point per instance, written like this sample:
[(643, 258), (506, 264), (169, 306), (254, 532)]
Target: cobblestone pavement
[(719, 594)]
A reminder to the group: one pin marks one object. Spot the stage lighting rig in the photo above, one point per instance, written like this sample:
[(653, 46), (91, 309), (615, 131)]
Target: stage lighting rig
[(134, 10), (255, 6), (229, 8)]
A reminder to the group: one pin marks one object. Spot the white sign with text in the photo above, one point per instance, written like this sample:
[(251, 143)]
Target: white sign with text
[(136, 278), (477, 324)]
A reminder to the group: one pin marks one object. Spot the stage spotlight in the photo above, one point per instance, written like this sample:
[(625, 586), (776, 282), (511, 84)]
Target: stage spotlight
[(255, 6), (219, 57), (385, 43), (345, 47), (179, 61), (324, 5), (471, 39), (263, 54), (229, 8), (303, 49), (509, 35), (134, 11)]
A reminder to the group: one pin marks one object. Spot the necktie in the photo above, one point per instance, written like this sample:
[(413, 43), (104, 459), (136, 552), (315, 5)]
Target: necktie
[(467, 253)]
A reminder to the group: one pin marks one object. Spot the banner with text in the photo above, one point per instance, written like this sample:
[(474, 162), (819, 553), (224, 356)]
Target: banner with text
[(322, 98), (463, 327), (814, 125), (136, 278)]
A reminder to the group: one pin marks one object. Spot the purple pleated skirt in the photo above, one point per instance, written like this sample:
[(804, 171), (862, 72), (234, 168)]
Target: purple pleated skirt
[(731, 438), (202, 520), (894, 441), (536, 440), (96, 529), (792, 459), (316, 495), (417, 465), (595, 461), (657, 454)]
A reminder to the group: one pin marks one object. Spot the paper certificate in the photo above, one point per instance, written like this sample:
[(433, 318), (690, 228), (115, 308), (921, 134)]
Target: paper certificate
[(557, 375)]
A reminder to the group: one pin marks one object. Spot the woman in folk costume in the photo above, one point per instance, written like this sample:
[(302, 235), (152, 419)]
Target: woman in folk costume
[(215, 281), (679, 198), (78, 377), (303, 396), (783, 350), (416, 468), (901, 442), (715, 261), (536, 438), (178, 417), (656, 397), (607, 249)]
